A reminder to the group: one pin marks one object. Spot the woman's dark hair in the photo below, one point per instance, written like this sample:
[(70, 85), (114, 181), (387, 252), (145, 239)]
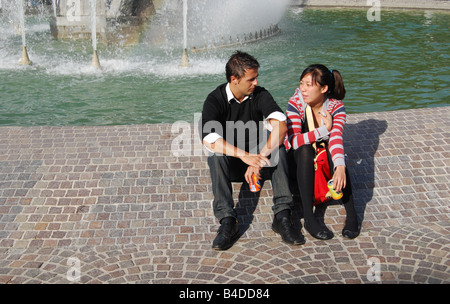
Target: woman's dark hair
[(238, 63), (321, 75)]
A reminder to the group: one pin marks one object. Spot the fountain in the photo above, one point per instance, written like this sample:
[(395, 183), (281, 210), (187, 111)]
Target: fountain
[(184, 58), (25, 60), (142, 82), (55, 8), (119, 22), (209, 24), (76, 20), (95, 60)]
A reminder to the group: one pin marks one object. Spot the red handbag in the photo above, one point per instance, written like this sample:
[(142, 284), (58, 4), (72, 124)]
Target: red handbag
[(321, 176), (321, 165)]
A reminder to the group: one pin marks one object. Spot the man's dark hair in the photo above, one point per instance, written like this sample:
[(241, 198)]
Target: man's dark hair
[(238, 63)]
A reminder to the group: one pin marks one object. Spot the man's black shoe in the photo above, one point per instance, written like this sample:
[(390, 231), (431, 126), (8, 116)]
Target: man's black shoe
[(287, 231), (227, 234)]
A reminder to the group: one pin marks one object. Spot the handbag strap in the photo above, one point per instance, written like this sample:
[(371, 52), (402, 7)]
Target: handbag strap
[(310, 121), (309, 118)]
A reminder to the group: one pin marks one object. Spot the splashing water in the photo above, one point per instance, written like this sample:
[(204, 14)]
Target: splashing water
[(21, 8), (213, 22), (54, 5), (93, 5), (143, 83), (185, 11)]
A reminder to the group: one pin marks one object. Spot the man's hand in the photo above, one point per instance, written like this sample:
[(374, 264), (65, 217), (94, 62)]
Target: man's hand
[(255, 160), (221, 146), (250, 171), (255, 163), (276, 137)]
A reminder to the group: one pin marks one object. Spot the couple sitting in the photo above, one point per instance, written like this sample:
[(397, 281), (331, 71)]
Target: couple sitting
[(236, 157)]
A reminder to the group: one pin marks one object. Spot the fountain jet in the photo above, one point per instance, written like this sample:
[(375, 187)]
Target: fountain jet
[(25, 60), (54, 5), (95, 61), (184, 58)]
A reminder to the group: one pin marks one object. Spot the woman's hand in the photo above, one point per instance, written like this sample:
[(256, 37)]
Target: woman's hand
[(327, 119), (339, 178)]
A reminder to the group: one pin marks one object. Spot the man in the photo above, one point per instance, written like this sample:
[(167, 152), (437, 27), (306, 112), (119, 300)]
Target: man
[(232, 122)]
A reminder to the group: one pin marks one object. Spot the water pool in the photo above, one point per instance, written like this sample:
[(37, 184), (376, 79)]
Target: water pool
[(401, 62)]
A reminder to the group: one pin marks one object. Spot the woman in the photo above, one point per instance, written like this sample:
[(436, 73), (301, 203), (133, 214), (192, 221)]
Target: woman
[(323, 90)]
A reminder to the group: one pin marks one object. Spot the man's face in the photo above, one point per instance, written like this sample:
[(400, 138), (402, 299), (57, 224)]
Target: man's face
[(245, 85)]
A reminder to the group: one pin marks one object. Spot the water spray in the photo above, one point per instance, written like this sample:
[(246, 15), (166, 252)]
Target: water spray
[(95, 61), (25, 60), (184, 58), (54, 5)]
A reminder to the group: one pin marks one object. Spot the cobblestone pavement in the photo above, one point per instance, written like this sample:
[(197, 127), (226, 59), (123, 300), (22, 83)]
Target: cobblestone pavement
[(116, 204)]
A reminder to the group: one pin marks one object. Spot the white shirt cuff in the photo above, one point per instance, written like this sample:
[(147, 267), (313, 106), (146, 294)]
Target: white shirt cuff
[(211, 138), (275, 115)]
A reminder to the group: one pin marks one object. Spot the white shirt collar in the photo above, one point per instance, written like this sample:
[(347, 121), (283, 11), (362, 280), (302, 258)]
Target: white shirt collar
[(230, 95)]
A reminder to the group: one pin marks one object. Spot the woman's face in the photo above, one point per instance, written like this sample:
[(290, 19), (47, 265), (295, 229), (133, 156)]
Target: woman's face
[(312, 93)]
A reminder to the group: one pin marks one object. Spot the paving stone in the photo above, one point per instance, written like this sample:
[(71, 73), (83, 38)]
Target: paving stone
[(117, 202)]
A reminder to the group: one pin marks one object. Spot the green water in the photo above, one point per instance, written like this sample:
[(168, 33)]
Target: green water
[(401, 62)]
